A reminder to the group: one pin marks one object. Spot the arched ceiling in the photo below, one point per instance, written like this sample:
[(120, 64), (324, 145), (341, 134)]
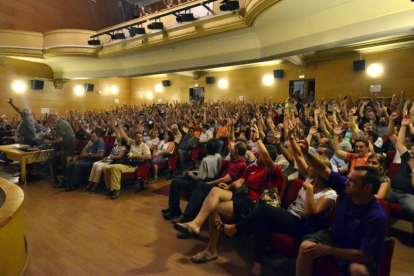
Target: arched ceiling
[(286, 28)]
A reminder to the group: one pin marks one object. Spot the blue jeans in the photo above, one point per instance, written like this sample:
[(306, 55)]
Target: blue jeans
[(405, 200), (181, 155)]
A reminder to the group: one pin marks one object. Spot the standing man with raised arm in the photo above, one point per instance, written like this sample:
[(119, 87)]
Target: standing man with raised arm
[(27, 127), (357, 234)]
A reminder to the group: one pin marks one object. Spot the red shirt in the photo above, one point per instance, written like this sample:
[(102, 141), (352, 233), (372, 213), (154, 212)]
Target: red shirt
[(234, 168), (253, 177)]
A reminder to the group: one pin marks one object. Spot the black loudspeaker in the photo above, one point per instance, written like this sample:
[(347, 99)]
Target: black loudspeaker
[(166, 83), (37, 84), (89, 87), (279, 74), (359, 65), (209, 80)]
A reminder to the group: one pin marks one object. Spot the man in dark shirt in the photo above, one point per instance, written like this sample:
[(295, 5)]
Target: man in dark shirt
[(80, 167), (186, 146), (402, 184), (357, 235), (64, 137)]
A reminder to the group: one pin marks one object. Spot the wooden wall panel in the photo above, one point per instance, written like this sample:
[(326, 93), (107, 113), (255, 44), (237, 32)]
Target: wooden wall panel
[(47, 15)]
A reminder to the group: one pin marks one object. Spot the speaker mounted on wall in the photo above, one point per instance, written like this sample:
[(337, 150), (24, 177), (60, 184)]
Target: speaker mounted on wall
[(89, 87), (166, 83), (279, 74), (360, 65), (210, 80), (37, 84)]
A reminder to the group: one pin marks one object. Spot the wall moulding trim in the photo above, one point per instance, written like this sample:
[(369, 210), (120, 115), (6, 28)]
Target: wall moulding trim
[(21, 52), (69, 51), (73, 31)]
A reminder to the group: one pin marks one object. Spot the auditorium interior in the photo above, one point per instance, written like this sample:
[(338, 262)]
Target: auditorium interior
[(180, 84)]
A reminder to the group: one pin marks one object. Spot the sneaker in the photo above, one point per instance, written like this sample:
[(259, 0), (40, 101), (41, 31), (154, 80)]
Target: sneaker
[(115, 194)]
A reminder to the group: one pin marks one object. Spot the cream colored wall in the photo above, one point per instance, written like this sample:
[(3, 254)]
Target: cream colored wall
[(59, 100), (333, 77)]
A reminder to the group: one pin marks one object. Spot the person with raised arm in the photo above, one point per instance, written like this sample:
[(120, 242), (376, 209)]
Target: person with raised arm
[(356, 237), (224, 203)]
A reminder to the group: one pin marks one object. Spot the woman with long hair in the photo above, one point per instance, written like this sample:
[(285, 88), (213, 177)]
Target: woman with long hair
[(377, 162), (165, 146)]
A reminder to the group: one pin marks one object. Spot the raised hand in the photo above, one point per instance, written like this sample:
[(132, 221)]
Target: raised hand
[(10, 101), (338, 129), (278, 135), (313, 130), (407, 120), (394, 116), (304, 145), (291, 130), (353, 110)]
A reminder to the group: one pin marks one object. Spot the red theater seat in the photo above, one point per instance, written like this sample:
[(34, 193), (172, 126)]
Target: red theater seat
[(392, 170), (140, 175)]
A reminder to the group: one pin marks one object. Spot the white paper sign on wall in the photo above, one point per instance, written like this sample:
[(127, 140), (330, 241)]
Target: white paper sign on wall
[(159, 101), (44, 110), (241, 98), (375, 88), (116, 100)]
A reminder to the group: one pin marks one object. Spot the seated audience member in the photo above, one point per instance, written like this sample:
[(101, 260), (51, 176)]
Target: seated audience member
[(209, 170), (185, 147), (327, 152), (222, 203), (313, 201), (205, 136), (177, 135), (117, 154), (409, 139), (153, 140), (357, 234), (402, 184), (83, 164), (163, 148), (112, 173), (377, 162), (231, 172), (359, 158)]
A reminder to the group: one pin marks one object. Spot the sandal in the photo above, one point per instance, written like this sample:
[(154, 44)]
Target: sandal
[(200, 258), (185, 230), (220, 227)]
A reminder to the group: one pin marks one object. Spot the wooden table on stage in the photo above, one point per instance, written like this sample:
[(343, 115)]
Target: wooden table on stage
[(24, 157)]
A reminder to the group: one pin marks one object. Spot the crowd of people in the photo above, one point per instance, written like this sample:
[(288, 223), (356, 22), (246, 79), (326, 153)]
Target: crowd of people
[(336, 146)]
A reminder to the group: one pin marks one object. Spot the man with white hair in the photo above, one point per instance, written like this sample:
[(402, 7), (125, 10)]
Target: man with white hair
[(26, 129)]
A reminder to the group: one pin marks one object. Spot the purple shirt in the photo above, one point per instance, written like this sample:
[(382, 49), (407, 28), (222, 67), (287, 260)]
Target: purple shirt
[(357, 226)]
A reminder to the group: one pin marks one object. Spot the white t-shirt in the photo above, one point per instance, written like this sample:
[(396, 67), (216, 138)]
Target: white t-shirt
[(297, 208), (152, 142)]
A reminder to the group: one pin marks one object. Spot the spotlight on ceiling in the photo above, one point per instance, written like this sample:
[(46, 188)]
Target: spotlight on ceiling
[(156, 26), (185, 17), (136, 31), (118, 36), (94, 42), (227, 5)]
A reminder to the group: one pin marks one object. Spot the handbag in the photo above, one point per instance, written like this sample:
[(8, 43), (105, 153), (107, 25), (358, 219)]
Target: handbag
[(269, 196), (135, 162), (242, 190)]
